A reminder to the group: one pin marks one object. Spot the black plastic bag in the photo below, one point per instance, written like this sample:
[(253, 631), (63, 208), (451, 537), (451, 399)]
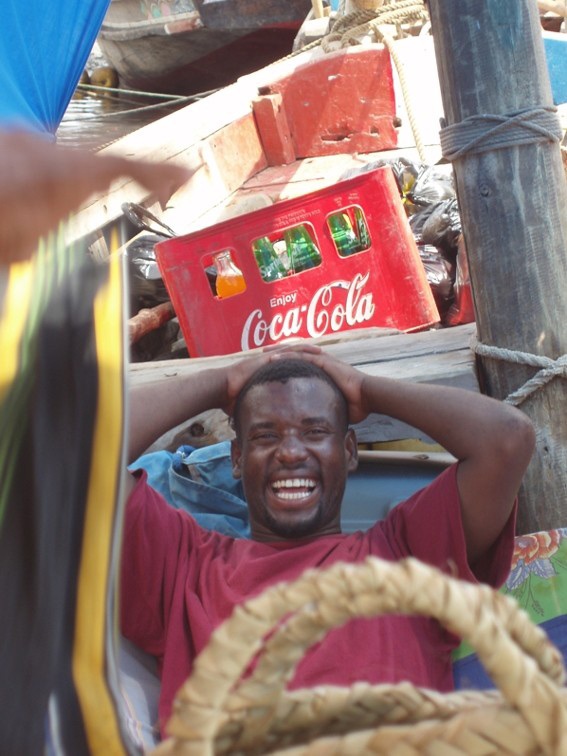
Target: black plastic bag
[(432, 185), (147, 288), (440, 274), (442, 226)]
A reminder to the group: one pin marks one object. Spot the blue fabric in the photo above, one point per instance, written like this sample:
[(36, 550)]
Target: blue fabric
[(44, 47), (200, 482), (469, 673), (556, 57)]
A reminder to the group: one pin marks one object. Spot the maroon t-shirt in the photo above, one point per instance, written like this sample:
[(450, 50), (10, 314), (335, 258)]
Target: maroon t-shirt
[(180, 581)]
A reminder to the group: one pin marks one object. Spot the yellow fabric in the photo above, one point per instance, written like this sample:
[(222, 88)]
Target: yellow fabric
[(96, 573), (13, 318)]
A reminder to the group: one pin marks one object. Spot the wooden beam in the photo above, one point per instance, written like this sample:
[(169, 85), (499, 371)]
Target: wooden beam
[(513, 203)]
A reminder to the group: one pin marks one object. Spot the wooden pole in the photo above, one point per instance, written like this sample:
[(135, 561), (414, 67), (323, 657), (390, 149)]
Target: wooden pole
[(513, 203)]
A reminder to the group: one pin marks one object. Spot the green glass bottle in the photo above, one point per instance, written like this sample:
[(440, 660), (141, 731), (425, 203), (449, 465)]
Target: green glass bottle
[(302, 251), (362, 229), (271, 267), (343, 234)]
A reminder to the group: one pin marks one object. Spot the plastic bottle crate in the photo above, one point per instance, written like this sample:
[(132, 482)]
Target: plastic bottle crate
[(383, 285)]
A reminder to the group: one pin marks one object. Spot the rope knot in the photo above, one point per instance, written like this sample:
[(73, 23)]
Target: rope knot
[(483, 132), (547, 368)]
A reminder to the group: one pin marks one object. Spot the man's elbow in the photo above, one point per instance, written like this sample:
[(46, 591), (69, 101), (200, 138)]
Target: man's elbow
[(518, 439)]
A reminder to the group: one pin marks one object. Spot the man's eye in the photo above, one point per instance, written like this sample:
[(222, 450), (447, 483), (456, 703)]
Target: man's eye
[(317, 432), (264, 436)]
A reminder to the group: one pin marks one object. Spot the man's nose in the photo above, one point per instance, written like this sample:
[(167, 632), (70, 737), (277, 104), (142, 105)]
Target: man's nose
[(291, 448)]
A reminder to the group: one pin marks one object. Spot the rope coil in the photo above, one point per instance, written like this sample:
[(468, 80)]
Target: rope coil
[(483, 132), (347, 28), (548, 368)]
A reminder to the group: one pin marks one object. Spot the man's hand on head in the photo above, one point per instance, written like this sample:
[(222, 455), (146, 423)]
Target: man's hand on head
[(348, 379), (238, 373)]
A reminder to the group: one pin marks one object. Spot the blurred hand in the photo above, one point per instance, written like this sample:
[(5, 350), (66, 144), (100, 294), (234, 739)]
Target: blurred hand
[(41, 184)]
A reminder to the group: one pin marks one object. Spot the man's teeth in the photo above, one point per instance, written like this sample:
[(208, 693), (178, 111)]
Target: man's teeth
[(283, 488)]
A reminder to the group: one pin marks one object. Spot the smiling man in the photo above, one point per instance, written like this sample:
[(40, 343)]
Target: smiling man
[(293, 451)]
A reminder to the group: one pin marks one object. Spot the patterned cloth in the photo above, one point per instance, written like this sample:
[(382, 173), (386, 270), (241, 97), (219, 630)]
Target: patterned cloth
[(538, 582)]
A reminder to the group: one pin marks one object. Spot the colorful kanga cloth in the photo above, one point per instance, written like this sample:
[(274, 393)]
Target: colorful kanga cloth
[(538, 582)]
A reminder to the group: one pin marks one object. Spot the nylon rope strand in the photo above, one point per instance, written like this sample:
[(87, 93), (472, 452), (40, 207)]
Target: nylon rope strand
[(484, 132), (548, 368)]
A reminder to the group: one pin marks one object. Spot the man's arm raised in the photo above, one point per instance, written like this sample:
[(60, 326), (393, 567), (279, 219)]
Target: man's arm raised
[(492, 440), (157, 407)]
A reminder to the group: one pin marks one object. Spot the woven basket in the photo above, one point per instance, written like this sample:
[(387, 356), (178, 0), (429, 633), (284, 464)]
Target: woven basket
[(216, 712), (367, 4)]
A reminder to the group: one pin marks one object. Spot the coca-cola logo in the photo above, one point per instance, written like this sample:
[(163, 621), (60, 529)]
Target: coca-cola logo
[(333, 307)]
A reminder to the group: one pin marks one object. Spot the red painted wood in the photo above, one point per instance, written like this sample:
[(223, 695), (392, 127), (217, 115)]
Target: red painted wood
[(274, 131), (342, 102), (236, 152)]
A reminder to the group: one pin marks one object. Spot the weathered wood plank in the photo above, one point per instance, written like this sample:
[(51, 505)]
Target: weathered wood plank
[(438, 356), (513, 204), (182, 137)]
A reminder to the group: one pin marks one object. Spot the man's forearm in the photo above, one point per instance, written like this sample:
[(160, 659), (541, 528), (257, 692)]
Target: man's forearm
[(157, 407), (455, 418), (492, 440)]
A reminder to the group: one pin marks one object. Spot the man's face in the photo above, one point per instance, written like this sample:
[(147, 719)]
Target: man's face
[(293, 455)]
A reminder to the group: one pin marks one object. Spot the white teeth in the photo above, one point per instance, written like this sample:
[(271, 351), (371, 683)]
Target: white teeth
[(288, 496), (287, 489), (295, 483)]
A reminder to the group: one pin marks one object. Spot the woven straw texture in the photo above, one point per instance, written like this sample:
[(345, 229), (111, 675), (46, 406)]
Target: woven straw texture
[(216, 712), (367, 4)]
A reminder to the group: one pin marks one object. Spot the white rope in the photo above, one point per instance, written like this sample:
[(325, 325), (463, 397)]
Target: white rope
[(484, 132), (548, 368)]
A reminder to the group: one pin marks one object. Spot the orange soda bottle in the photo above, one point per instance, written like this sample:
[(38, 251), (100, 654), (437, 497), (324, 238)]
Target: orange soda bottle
[(230, 280)]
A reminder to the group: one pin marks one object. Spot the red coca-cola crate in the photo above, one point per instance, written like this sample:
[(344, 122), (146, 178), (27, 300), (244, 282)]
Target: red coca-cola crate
[(383, 285)]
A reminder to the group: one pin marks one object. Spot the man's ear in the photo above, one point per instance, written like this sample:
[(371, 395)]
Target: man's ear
[(235, 455), (351, 449)]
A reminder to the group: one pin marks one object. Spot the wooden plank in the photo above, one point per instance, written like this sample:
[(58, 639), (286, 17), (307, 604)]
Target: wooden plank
[(229, 157), (180, 136), (223, 162), (512, 203), (274, 129), (177, 136), (439, 356)]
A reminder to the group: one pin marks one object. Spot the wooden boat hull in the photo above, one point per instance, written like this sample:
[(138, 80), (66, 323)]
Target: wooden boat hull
[(184, 47)]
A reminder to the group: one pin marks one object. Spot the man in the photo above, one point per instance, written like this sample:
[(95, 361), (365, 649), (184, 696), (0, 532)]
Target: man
[(293, 451)]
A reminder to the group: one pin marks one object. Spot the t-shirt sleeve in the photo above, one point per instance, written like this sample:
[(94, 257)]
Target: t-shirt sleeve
[(155, 534), (428, 526)]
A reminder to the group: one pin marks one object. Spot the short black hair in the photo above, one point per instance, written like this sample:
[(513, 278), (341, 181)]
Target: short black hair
[(281, 371)]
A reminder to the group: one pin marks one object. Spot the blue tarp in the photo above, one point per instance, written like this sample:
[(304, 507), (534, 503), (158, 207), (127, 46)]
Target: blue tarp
[(44, 47), (556, 56)]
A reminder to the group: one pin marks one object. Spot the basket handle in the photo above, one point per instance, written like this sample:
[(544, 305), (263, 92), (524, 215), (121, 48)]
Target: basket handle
[(517, 654)]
